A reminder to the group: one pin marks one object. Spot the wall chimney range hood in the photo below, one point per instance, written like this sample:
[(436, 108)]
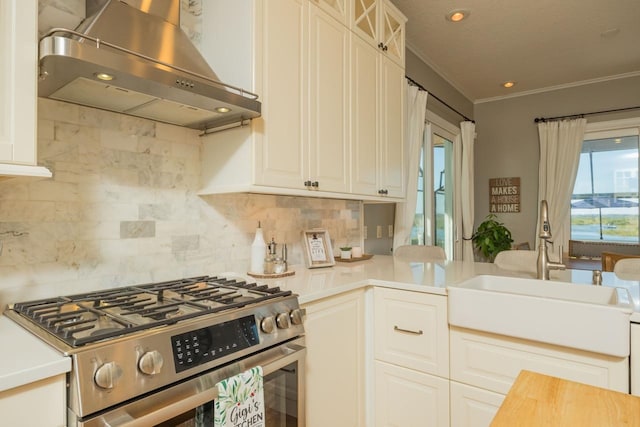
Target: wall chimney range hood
[(133, 58)]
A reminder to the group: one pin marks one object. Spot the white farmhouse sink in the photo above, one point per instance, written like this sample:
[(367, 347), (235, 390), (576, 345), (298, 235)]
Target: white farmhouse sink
[(584, 317)]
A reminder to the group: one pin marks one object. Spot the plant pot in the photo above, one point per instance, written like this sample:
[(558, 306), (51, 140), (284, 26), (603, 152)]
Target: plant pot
[(345, 254)]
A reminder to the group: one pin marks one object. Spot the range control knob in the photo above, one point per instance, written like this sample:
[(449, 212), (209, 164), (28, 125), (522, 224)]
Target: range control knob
[(151, 362), (296, 316), (282, 320), (268, 325), (107, 375)]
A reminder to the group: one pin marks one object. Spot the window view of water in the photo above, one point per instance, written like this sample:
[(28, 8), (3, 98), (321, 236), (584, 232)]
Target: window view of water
[(615, 225), (604, 205)]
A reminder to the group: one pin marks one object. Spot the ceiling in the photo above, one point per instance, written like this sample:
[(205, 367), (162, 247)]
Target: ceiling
[(539, 44)]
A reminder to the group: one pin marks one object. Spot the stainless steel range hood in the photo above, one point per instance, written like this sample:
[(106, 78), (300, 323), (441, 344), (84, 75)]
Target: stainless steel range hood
[(132, 57)]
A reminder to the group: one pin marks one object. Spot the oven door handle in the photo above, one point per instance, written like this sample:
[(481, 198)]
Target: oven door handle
[(171, 410), (271, 361)]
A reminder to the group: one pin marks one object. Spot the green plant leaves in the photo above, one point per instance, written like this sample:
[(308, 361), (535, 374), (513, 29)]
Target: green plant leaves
[(491, 237)]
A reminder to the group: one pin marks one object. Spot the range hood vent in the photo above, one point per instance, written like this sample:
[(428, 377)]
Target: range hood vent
[(133, 58)]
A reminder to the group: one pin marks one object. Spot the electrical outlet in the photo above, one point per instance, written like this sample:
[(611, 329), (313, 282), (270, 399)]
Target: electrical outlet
[(379, 232), (390, 230), (366, 232)]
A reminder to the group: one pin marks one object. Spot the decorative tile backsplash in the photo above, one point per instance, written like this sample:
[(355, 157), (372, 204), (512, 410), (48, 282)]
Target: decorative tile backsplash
[(122, 208)]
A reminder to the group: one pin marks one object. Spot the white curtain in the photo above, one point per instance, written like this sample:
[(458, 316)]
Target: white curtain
[(560, 146), (416, 108), (468, 133)]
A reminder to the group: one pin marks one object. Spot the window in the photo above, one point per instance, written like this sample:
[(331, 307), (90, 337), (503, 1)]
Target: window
[(434, 219), (604, 203)]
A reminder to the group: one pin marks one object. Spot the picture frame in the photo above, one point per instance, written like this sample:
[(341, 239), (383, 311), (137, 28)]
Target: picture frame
[(317, 248)]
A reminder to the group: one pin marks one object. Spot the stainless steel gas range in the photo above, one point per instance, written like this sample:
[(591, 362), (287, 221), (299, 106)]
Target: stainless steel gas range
[(152, 354)]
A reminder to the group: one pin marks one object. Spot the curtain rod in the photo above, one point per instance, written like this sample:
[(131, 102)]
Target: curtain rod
[(431, 94), (616, 110)]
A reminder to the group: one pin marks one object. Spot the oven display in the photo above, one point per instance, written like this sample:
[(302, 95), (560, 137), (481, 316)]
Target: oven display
[(197, 347)]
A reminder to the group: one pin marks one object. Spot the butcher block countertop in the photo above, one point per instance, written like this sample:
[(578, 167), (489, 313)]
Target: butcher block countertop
[(542, 400)]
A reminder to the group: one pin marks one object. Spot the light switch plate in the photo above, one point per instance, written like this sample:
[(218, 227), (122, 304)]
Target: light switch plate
[(379, 232), (390, 230)]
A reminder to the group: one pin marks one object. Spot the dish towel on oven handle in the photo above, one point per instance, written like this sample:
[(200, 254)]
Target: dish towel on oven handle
[(240, 400)]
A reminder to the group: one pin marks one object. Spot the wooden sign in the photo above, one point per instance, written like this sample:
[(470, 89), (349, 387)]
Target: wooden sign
[(504, 195)]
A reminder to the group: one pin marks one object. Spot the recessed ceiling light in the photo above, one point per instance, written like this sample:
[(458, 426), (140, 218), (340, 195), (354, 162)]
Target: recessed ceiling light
[(104, 76), (611, 32), (457, 15), (508, 84), (223, 110)]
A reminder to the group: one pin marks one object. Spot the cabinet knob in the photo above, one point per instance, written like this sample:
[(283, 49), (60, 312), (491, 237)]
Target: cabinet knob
[(315, 184), (380, 45), (307, 183), (384, 48), (383, 192)]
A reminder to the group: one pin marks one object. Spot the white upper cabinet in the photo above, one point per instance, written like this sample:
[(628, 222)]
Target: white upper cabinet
[(339, 9), (281, 154), (328, 102), (18, 89), (381, 24), (377, 123), (303, 144)]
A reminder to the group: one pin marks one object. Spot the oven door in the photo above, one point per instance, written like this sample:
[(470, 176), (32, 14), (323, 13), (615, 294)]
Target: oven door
[(190, 403)]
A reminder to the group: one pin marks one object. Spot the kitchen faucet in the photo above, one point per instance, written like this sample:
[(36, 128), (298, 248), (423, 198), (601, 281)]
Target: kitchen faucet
[(544, 265)]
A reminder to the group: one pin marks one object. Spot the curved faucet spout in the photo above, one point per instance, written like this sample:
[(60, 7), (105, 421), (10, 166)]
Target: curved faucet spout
[(545, 227), (544, 265)]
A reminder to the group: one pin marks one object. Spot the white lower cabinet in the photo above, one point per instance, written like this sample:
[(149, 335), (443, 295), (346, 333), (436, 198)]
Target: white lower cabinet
[(635, 359), (411, 359), (484, 367), (42, 403), (472, 406), (335, 365), (406, 398)]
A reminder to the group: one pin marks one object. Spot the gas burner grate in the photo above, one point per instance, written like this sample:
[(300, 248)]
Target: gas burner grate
[(95, 316)]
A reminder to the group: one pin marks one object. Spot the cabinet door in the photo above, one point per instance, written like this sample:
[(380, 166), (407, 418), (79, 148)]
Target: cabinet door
[(364, 117), (408, 398), (411, 330), (42, 403), (473, 407), (392, 150), (635, 359), (493, 362), (365, 20), (328, 102), (392, 32), (18, 79), (339, 9), (280, 151), (335, 361)]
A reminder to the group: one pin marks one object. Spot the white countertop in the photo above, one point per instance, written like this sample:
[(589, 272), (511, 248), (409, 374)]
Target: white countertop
[(25, 358), (431, 277), (28, 359)]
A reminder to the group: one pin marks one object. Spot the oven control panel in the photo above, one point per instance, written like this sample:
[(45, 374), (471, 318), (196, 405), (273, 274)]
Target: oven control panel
[(203, 345)]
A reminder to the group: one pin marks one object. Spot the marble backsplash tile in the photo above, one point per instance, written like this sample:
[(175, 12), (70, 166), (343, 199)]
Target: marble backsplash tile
[(122, 208)]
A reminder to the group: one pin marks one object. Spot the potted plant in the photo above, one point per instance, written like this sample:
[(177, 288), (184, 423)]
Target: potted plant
[(345, 252), (491, 237)]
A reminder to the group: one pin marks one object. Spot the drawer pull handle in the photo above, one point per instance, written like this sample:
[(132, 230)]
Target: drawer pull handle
[(408, 331)]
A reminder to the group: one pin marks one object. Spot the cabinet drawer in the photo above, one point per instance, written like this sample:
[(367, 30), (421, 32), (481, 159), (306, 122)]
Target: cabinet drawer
[(412, 330), (473, 407), (408, 398), (493, 362)]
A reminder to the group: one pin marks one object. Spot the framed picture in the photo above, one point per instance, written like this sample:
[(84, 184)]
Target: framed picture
[(317, 248)]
